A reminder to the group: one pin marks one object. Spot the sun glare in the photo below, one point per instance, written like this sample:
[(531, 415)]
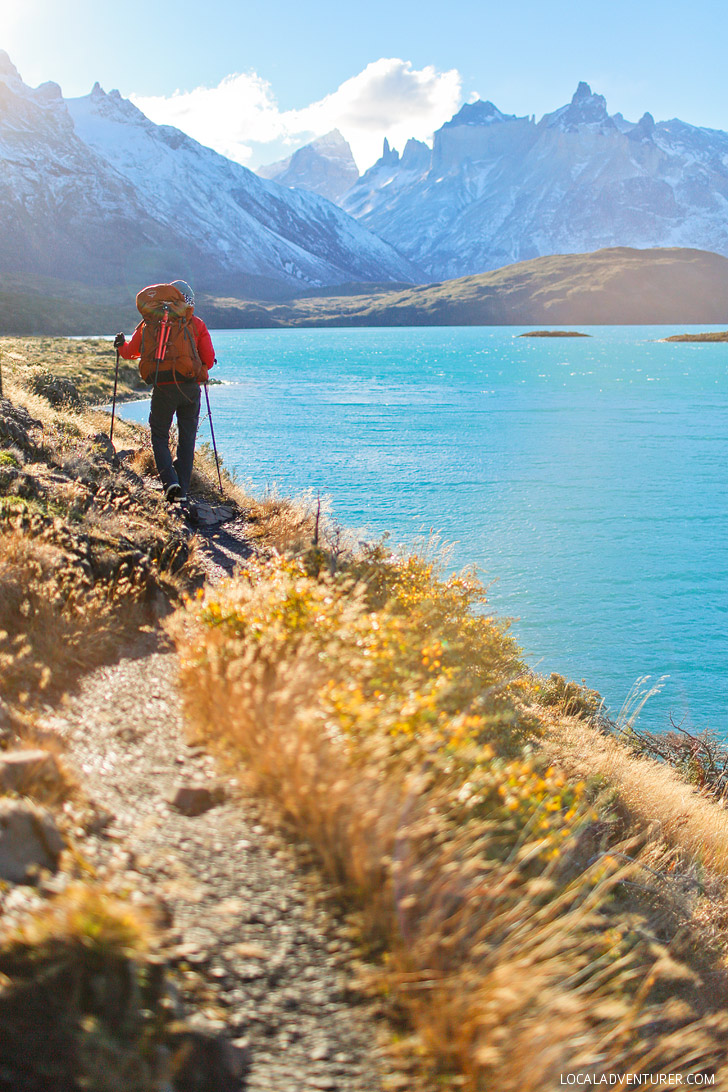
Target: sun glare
[(15, 14)]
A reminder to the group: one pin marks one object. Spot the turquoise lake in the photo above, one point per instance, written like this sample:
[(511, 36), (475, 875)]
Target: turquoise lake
[(584, 477)]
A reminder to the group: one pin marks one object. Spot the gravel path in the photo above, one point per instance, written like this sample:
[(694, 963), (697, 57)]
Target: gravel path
[(255, 952)]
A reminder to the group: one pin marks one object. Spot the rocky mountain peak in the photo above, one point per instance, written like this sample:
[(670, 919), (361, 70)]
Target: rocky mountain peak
[(503, 190), (644, 128), (588, 106), (334, 139), (585, 108), (324, 166), (478, 113), (95, 192), (49, 92), (582, 93), (389, 156), (109, 105), (416, 156)]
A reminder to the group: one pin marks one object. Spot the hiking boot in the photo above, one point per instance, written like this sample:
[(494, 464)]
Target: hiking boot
[(172, 493)]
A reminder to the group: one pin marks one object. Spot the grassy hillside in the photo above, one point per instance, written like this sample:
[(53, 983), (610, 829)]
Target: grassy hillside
[(619, 285), (47, 366)]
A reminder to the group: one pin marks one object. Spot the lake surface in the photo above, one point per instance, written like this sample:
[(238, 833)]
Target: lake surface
[(585, 477)]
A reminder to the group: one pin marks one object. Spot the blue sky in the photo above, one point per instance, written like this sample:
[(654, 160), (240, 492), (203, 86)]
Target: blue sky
[(667, 57)]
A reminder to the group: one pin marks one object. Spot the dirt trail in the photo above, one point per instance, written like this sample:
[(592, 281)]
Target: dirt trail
[(254, 951)]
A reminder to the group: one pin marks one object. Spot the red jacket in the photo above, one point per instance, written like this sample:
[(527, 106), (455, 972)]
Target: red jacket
[(131, 350)]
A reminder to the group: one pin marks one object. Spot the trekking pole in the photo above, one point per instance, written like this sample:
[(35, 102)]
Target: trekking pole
[(214, 445), (113, 402)]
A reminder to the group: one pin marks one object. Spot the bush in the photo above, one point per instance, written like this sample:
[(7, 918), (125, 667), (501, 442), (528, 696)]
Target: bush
[(57, 391), (382, 710)]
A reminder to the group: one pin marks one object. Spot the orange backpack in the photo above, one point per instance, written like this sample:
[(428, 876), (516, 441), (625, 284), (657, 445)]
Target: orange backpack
[(168, 339)]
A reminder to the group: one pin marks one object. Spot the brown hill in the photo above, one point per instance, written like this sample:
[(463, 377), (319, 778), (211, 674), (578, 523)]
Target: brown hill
[(619, 286), (615, 286)]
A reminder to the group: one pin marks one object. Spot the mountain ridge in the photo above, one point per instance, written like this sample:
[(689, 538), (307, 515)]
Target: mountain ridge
[(498, 189), (93, 190), (616, 286)]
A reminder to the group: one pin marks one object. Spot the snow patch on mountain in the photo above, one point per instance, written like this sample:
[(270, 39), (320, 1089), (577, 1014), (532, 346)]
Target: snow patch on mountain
[(91, 190), (258, 225)]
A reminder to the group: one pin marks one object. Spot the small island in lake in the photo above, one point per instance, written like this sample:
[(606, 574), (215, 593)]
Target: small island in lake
[(715, 335), (553, 333)]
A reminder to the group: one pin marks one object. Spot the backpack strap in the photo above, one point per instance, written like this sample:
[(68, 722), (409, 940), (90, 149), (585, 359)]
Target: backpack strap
[(186, 324)]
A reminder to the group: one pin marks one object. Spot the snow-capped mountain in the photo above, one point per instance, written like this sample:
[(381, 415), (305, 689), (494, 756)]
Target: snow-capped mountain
[(325, 166), (92, 191), (498, 189), (63, 210)]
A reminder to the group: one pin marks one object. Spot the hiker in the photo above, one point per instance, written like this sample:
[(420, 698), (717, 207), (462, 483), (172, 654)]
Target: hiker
[(175, 355)]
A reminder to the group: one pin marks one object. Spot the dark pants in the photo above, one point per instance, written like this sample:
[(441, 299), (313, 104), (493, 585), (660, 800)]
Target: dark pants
[(184, 400)]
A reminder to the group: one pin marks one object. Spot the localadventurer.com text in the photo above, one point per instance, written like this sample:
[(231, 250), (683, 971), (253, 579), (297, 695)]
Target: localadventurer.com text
[(635, 1080)]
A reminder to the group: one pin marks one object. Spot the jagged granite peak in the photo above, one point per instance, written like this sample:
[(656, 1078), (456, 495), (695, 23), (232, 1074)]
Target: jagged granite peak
[(388, 178), (247, 223), (111, 104), (585, 108), (416, 155), (389, 155), (479, 132), (62, 206), (644, 128), (324, 166), (577, 181)]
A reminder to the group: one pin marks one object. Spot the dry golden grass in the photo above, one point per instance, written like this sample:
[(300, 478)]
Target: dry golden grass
[(89, 363), (83, 916), (514, 926), (281, 523), (655, 797), (65, 423), (537, 900), (75, 994), (86, 554), (44, 630)]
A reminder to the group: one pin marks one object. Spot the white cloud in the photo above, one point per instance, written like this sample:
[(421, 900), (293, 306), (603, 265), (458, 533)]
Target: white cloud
[(241, 118)]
